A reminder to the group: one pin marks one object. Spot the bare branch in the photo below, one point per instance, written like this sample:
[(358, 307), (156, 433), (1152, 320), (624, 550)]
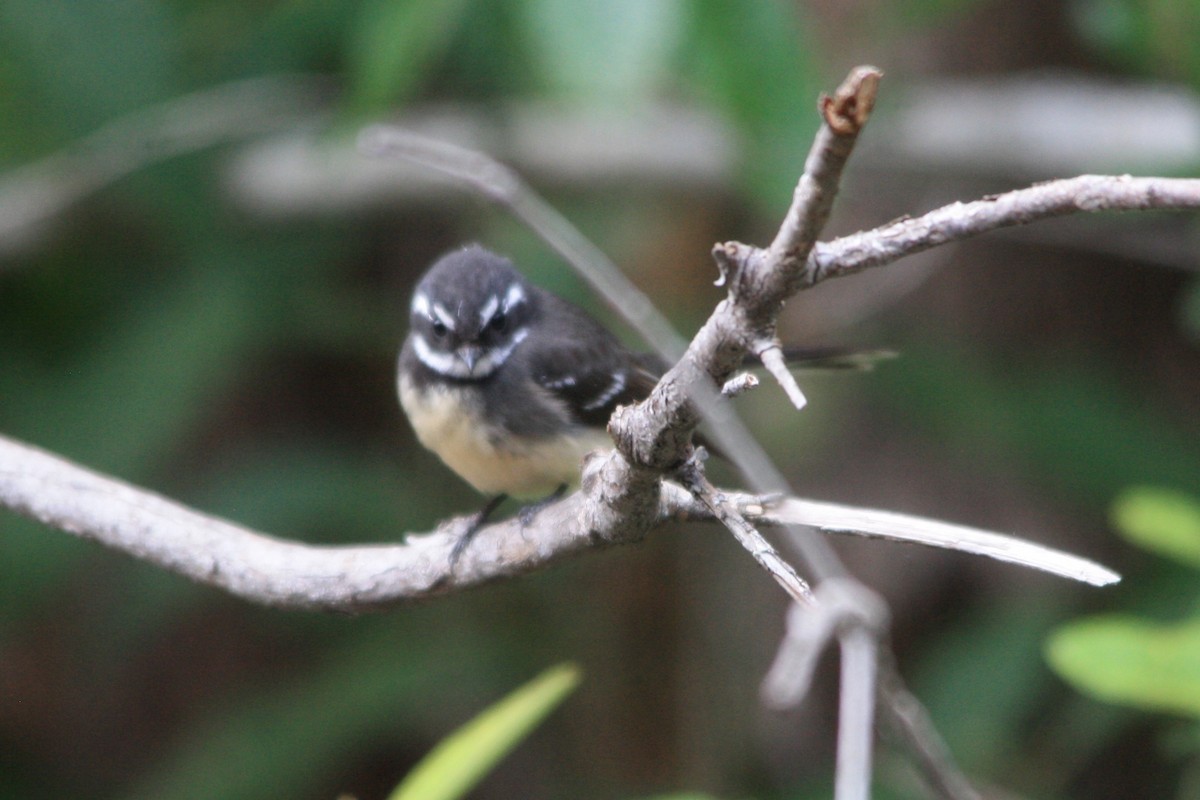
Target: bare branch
[(264, 569), (835, 518), (860, 648), (774, 510), (859, 619), (844, 114), (841, 605), (277, 572), (958, 221)]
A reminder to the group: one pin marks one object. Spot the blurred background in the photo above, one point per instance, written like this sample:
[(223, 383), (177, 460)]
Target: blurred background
[(203, 288)]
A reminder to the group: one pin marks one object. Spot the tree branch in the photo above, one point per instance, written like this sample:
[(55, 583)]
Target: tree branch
[(958, 221), (288, 574)]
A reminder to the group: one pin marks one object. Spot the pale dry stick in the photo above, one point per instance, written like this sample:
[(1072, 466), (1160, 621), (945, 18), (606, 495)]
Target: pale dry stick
[(835, 518), (859, 648), (772, 358), (842, 603), (893, 526), (958, 221), (287, 574), (858, 618)]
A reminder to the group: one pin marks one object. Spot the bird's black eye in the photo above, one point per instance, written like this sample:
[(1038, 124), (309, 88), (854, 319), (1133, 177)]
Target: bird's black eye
[(439, 328), (498, 322)]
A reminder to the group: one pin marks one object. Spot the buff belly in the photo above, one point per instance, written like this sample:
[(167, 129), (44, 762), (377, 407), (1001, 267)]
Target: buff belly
[(447, 423)]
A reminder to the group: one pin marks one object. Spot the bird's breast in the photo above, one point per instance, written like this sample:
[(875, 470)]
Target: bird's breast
[(449, 420)]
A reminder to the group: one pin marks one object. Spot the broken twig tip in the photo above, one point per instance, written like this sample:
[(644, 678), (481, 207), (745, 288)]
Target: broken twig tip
[(847, 111), (739, 384), (774, 362)]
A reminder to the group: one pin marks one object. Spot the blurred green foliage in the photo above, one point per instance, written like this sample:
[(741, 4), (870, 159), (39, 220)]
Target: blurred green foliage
[(1153, 37), (243, 364)]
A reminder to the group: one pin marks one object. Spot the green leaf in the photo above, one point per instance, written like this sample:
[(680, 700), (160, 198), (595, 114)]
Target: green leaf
[(1162, 521), (1131, 662), (462, 759), (393, 45)]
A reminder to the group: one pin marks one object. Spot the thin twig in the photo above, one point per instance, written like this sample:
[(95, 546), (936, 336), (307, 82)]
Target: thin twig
[(844, 114), (958, 221), (739, 384), (910, 722), (772, 358), (905, 528), (726, 512)]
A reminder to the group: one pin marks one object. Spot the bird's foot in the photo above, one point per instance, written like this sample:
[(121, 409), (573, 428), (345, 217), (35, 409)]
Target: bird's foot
[(474, 523), (527, 514)]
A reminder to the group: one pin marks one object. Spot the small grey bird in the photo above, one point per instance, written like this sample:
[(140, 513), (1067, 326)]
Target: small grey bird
[(511, 385)]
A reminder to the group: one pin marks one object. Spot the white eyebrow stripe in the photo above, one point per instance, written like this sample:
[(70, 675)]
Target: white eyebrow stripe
[(420, 305), (514, 296), (614, 388), (489, 308), (443, 315)]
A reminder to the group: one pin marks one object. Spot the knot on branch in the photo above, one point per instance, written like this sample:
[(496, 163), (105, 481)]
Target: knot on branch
[(736, 264), (645, 442), (626, 495), (728, 256)]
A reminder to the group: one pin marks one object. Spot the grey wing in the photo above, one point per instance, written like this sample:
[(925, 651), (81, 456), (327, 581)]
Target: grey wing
[(592, 373)]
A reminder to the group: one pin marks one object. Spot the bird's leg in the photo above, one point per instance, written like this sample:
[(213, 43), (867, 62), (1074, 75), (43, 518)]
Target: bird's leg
[(474, 523), (530, 511)]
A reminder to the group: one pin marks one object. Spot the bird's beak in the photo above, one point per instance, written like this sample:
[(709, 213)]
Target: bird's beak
[(469, 354)]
